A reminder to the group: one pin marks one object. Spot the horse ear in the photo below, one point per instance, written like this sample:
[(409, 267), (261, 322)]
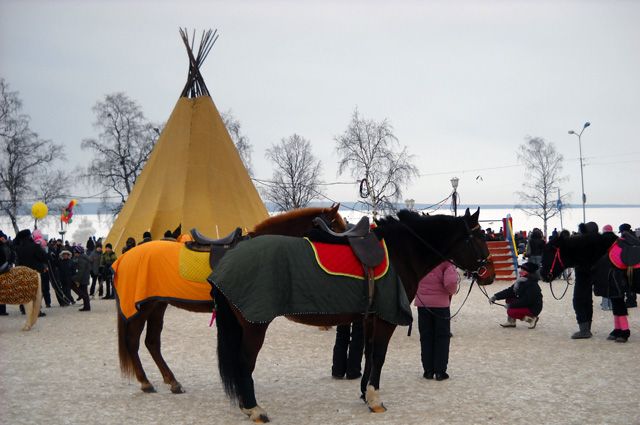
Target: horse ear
[(476, 215), (335, 207), (467, 213)]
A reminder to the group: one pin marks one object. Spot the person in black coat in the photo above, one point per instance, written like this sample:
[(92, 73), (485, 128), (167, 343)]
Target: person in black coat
[(29, 254), (524, 297), (583, 291), (6, 262), (66, 271), (82, 276)]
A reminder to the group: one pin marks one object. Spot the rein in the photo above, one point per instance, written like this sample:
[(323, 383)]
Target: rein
[(479, 272), (558, 259)]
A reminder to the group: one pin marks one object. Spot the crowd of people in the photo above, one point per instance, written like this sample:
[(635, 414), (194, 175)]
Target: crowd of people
[(66, 268)]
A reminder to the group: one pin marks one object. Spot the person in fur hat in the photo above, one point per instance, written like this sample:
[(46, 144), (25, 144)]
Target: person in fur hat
[(524, 298)]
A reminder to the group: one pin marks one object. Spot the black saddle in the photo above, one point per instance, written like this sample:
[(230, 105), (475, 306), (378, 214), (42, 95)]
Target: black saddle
[(5, 267), (363, 242), (216, 247), (630, 245)]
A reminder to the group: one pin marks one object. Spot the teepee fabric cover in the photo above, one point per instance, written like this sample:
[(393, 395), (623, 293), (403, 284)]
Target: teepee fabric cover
[(194, 177)]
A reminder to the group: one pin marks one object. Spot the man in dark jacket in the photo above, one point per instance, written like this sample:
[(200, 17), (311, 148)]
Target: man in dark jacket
[(524, 297), (583, 291), (29, 254), (82, 276)]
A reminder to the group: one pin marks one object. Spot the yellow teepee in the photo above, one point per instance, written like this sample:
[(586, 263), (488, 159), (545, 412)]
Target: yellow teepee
[(194, 176)]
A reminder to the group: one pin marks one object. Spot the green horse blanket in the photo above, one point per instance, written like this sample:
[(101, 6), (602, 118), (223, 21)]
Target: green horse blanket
[(273, 276)]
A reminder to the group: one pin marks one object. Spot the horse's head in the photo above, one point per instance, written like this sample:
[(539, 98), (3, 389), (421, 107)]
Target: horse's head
[(471, 251), (552, 260), (332, 217), (299, 222), (458, 239)]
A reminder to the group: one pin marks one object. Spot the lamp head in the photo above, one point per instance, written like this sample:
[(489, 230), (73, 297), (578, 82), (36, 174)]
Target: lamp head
[(572, 132), (587, 124), (454, 183)]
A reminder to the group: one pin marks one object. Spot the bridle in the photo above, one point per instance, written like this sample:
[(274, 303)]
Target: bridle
[(481, 271), (557, 259), (482, 257)]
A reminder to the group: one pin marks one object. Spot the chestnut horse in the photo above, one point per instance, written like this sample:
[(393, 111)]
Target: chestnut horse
[(151, 311), (416, 244)]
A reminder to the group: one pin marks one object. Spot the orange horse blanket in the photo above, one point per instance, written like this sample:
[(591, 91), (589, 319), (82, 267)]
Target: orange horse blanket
[(160, 270)]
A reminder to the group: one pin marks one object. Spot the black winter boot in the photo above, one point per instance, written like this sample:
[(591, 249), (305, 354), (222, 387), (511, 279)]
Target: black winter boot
[(623, 336), (584, 332), (614, 334)]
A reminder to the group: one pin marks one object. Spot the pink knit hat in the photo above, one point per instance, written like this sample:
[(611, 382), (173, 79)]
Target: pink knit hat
[(607, 228)]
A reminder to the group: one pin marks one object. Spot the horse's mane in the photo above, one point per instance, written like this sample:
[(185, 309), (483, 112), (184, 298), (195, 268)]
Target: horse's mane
[(416, 219), (594, 241), (293, 215)]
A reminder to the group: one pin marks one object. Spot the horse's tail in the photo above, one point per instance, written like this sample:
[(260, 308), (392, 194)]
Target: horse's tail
[(126, 361), (229, 345)]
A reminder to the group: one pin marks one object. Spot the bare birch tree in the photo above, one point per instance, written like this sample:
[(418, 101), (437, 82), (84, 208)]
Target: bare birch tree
[(122, 147), (240, 140), (373, 155), (24, 156), (296, 175), (542, 168)]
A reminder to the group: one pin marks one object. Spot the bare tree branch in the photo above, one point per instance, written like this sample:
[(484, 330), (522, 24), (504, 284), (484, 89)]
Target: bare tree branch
[(240, 140), (296, 173), (543, 167), (368, 150), (24, 156), (122, 148)]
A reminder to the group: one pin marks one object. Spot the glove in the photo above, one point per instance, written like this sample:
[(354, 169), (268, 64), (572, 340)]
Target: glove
[(492, 300)]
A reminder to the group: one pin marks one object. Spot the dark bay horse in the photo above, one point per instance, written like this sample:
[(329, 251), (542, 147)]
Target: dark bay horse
[(416, 244), (574, 251), (151, 311)]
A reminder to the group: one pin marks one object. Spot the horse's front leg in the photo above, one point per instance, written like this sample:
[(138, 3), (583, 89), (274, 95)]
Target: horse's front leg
[(382, 332)]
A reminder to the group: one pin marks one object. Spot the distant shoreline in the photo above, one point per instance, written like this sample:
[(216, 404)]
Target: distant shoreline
[(99, 208)]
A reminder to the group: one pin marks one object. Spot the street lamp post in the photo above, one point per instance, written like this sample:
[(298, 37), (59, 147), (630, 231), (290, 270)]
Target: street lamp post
[(454, 195), (584, 197)]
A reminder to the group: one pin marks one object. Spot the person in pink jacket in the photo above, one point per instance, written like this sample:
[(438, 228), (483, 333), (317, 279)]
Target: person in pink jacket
[(433, 300)]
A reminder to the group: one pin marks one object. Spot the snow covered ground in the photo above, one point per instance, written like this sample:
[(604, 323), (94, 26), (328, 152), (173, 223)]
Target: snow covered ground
[(65, 371)]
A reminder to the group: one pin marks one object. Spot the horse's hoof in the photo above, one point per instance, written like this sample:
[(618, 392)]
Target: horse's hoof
[(257, 415), (378, 409), (26, 328), (148, 389), (373, 400), (177, 389)]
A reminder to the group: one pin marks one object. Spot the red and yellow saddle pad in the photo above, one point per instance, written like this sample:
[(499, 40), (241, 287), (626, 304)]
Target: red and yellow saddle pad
[(340, 260), (160, 270)]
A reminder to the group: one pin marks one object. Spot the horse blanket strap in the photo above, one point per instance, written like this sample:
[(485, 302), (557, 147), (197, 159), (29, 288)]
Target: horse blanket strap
[(160, 270), (273, 276)]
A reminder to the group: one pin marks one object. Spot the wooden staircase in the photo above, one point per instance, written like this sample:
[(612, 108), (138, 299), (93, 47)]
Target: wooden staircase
[(503, 260)]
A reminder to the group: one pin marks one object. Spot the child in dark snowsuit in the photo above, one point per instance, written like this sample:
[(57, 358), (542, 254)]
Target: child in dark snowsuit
[(524, 298)]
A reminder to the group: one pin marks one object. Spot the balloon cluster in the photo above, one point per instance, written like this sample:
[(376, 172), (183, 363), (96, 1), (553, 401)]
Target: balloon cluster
[(67, 212)]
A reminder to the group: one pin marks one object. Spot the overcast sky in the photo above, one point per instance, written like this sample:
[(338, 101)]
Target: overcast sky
[(462, 83)]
